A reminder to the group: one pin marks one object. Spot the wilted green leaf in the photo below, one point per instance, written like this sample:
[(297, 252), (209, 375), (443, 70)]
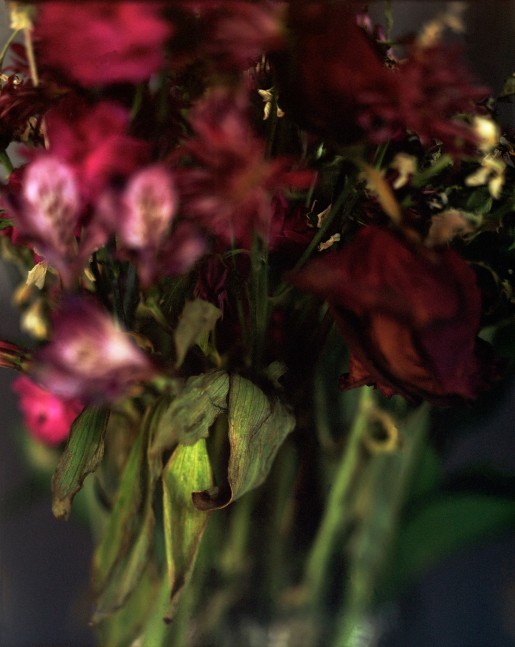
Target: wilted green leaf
[(197, 320), (258, 426), (187, 470), (123, 553), (82, 454), (189, 415)]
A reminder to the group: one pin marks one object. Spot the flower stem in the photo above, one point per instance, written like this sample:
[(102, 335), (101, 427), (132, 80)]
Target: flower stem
[(335, 519), (378, 502)]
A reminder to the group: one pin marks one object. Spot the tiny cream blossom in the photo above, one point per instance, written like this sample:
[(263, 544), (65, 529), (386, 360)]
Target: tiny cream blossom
[(491, 172), (406, 166), (329, 242), (268, 100), (488, 133)]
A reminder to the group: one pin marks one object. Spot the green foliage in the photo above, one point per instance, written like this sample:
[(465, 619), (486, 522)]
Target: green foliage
[(186, 471), (196, 322), (122, 555), (257, 426), (81, 457)]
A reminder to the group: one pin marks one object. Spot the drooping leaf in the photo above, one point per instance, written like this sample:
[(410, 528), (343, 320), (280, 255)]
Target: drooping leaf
[(186, 471), (124, 550), (197, 320), (189, 415), (257, 425), (81, 456)]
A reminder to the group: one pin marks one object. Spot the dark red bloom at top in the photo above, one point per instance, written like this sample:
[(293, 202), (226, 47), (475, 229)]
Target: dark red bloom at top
[(97, 43), (410, 316), (329, 65), (334, 81)]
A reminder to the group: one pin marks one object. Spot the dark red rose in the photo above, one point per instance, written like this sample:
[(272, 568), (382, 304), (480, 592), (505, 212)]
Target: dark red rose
[(410, 316), (332, 79)]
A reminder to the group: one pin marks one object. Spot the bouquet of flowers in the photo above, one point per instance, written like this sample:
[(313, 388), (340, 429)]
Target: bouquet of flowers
[(262, 245)]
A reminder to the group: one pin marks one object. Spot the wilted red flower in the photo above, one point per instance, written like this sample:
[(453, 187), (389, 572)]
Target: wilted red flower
[(89, 357), (410, 316), (229, 190), (47, 417), (241, 31), (329, 65), (19, 101), (290, 232), (93, 140), (97, 43), (434, 87), (334, 81)]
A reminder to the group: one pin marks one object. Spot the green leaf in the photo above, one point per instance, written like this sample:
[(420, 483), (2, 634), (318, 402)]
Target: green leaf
[(446, 525), (186, 471), (257, 426), (124, 550), (189, 415), (82, 454), (197, 320), (480, 201)]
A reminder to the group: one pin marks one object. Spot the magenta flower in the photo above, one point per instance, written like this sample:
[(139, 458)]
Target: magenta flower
[(93, 140), (229, 190), (96, 43), (47, 417), (90, 357)]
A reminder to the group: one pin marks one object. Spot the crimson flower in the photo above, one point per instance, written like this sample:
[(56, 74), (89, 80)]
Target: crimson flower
[(230, 187), (93, 140), (410, 316), (47, 417), (89, 357), (334, 81), (97, 43)]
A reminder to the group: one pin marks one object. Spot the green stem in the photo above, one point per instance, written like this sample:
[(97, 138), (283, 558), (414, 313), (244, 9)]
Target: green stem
[(383, 488), (440, 164), (319, 236), (335, 517), (3, 52), (259, 302)]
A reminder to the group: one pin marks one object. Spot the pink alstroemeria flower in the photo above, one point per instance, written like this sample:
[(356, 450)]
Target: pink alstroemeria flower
[(47, 417), (98, 43), (46, 213), (89, 357), (142, 218)]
